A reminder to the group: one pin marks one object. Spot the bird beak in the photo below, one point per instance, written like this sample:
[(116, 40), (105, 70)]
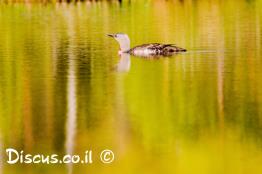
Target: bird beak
[(111, 35)]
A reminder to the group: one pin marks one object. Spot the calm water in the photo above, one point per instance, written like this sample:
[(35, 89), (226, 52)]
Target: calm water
[(64, 89)]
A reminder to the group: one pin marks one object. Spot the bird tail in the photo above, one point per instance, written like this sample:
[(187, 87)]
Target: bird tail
[(170, 48)]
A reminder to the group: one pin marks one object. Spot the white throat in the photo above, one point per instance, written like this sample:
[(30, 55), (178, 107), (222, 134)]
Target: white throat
[(124, 42), (125, 46)]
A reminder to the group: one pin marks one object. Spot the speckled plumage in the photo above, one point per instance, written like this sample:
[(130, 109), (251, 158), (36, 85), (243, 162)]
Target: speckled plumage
[(155, 49), (145, 50)]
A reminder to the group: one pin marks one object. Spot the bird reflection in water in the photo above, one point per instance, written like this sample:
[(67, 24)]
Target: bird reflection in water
[(124, 63)]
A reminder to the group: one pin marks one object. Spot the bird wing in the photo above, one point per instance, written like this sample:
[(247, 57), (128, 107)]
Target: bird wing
[(158, 48)]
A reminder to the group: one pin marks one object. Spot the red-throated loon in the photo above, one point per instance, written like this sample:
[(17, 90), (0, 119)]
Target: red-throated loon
[(145, 50)]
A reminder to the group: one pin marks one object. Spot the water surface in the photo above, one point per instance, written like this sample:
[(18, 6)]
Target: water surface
[(64, 89)]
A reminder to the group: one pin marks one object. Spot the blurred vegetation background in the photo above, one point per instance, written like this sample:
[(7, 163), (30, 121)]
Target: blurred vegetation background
[(120, 1), (197, 112)]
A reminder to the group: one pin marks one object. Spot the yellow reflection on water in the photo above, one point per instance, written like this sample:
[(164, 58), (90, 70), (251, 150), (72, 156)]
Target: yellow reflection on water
[(71, 96), (64, 89)]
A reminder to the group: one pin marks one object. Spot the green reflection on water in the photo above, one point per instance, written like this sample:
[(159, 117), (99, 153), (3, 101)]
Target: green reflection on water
[(197, 112)]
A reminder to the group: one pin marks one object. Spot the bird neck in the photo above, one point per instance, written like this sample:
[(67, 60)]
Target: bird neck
[(124, 44)]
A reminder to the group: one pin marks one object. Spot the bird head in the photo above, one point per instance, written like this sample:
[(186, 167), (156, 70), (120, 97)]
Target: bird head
[(122, 39)]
